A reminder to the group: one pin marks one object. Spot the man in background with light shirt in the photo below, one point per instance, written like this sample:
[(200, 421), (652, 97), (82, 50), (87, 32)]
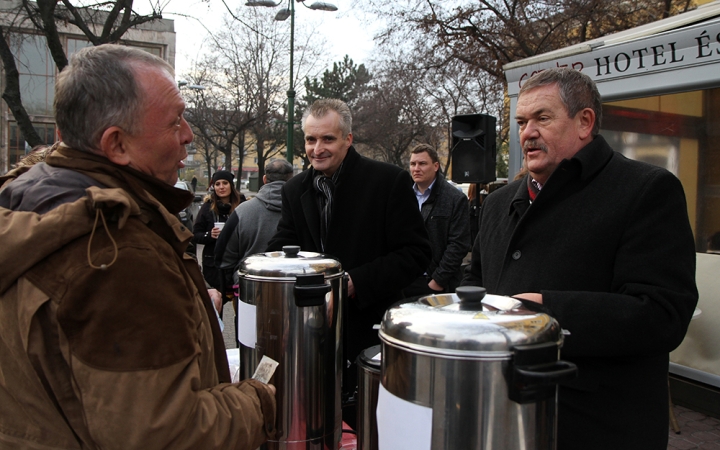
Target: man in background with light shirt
[(445, 214)]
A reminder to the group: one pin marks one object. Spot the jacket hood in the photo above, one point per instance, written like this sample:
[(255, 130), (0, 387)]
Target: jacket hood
[(29, 237), (270, 195)]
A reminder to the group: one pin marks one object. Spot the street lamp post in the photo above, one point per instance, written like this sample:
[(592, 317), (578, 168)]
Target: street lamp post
[(283, 14)]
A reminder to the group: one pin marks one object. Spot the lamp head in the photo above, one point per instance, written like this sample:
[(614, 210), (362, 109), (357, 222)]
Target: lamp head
[(267, 3), (283, 14), (323, 6)]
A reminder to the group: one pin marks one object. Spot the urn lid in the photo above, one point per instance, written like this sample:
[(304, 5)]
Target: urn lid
[(467, 324), (287, 264)]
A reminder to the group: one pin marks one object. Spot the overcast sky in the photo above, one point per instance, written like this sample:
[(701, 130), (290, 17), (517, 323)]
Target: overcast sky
[(344, 30)]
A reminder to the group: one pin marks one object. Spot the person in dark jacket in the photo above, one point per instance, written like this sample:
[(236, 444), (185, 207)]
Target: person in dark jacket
[(447, 221), (604, 245), (219, 204), (362, 212)]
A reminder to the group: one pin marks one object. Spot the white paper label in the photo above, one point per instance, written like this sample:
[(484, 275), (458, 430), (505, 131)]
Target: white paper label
[(247, 325), (402, 425)]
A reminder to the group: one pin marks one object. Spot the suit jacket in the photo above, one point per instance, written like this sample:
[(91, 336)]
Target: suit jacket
[(375, 231), (447, 221), (608, 243)]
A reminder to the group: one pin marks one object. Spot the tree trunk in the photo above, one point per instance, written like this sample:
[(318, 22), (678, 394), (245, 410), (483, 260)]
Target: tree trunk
[(47, 14), (11, 95)]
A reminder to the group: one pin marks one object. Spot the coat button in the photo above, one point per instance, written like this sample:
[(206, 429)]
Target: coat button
[(516, 255)]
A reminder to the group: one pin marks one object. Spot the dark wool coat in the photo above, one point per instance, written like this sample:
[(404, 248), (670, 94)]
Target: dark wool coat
[(447, 221), (608, 244), (376, 232)]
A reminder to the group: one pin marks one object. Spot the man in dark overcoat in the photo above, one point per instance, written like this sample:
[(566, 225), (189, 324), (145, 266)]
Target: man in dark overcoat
[(604, 245), (362, 212)]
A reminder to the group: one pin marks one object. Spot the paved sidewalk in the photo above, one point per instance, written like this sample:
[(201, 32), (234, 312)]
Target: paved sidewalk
[(697, 431), (229, 322)]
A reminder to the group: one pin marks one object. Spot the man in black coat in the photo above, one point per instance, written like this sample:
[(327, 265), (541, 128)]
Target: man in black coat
[(362, 212), (604, 244), (447, 220)]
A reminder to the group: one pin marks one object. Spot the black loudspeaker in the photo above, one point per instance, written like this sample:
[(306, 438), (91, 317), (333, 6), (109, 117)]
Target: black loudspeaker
[(473, 148)]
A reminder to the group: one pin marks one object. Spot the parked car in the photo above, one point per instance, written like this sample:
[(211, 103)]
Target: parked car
[(187, 216)]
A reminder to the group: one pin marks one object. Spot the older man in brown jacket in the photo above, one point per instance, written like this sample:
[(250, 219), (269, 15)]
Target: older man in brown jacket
[(108, 336)]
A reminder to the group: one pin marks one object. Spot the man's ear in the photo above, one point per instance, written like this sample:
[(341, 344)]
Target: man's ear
[(586, 119), (112, 146), (349, 138)]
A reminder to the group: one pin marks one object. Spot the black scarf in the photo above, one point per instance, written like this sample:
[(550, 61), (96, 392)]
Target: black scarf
[(325, 188)]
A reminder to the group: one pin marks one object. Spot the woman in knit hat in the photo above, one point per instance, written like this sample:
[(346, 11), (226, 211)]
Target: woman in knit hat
[(218, 205)]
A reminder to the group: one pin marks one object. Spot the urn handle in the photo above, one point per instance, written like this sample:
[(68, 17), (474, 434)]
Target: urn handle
[(310, 290)]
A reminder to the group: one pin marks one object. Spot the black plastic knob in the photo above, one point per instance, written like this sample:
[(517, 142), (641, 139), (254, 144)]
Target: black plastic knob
[(470, 295), (291, 251)]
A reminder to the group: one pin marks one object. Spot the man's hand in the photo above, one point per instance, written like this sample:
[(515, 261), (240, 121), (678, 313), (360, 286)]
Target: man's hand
[(434, 286), (216, 298), (531, 296)]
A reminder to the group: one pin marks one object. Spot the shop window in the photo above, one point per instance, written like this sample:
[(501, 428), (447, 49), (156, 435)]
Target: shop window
[(680, 133), (37, 73), (74, 45)]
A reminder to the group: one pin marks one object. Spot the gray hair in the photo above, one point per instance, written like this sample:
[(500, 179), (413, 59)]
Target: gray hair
[(577, 91), (97, 90), (278, 170), (321, 107)]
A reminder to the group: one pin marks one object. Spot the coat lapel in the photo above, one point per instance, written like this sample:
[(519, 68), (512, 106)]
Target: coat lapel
[(426, 209)]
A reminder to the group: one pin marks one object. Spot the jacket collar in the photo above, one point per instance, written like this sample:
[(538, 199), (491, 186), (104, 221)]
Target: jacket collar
[(593, 157), (586, 163), (159, 202), (437, 187), (113, 175)]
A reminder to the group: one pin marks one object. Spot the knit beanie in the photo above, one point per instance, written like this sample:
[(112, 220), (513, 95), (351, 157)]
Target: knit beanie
[(223, 175)]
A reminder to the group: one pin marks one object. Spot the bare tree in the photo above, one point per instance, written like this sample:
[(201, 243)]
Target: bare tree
[(463, 44), (346, 81), (102, 22), (243, 86), (394, 115), (490, 33), (241, 111)]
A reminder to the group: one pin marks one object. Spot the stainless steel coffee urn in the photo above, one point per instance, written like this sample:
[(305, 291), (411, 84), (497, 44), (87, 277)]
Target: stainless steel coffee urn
[(469, 371), (368, 362), (290, 310)]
